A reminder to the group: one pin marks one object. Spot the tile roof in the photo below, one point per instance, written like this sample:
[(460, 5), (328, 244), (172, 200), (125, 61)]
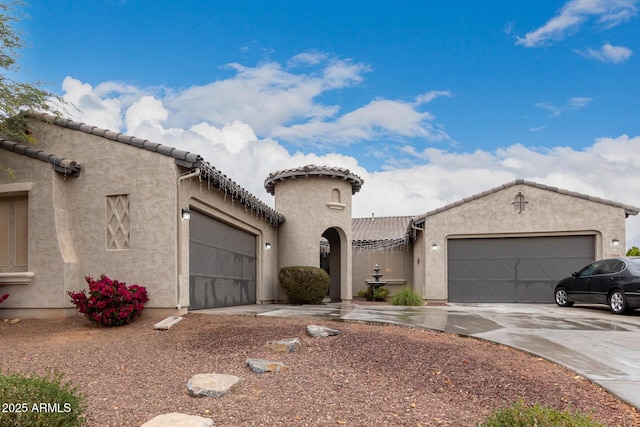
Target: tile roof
[(628, 209), (209, 174), (60, 164), (313, 170), (380, 232), (182, 158)]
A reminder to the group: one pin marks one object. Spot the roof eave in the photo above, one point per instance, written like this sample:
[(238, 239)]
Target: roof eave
[(67, 167)]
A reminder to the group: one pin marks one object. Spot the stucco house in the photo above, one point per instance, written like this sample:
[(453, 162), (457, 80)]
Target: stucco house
[(87, 201)]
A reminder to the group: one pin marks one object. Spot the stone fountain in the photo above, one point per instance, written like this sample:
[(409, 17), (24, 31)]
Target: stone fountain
[(374, 285)]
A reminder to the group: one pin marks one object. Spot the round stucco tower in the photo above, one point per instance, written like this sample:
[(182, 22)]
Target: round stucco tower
[(316, 203)]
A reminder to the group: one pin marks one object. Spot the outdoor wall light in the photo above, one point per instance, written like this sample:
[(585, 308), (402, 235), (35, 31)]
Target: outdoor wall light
[(434, 246), (186, 214), (615, 242), (267, 246)]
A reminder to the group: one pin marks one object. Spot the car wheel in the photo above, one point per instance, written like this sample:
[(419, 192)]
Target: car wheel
[(562, 299), (618, 302)]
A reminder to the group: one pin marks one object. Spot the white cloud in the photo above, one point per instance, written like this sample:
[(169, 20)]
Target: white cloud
[(434, 178), (575, 103), (307, 58), (430, 96), (578, 103), (607, 13), (274, 102), (146, 110), (267, 96), (379, 118), (608, 53), (93, 107), (446, 177), (552, 109)]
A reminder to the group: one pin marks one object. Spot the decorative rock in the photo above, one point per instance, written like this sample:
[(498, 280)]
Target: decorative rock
[(321, 331), (260, 366), (288, 345), (212, 385), (14, 321), (167, 323), (175, 419)]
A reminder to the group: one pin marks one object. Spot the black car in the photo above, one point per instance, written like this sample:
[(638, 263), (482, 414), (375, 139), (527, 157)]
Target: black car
[(612, 281)]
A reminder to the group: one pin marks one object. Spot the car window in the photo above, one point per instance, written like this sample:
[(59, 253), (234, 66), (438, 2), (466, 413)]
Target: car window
[(634, 265), (609, 266), (589, 269), (620, 265)]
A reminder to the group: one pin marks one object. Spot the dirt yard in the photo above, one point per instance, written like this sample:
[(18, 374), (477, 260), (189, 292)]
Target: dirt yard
[(370, 375)]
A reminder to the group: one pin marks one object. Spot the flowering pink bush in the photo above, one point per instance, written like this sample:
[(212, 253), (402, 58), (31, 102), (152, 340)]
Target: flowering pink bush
[(109, 302), (3, 297)]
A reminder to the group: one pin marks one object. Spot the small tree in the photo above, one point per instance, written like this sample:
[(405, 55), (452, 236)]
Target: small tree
[(633, 251), (15, 96)]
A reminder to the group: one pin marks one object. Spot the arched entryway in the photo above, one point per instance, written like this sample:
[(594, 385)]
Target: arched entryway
[(332, 261)]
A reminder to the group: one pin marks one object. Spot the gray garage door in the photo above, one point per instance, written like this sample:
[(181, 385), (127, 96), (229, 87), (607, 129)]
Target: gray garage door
[(518, 269), (222, 264)]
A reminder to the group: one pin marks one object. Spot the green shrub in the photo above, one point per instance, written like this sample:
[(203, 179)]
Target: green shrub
[(633, 251), (33, 401), (381, 294), (520, 415), (407, 297), (304, 285)]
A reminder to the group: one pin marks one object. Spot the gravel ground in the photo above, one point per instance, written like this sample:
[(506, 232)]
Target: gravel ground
[(370, 375)]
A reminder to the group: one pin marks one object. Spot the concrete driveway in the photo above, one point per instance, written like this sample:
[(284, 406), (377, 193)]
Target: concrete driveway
[(589, 340)]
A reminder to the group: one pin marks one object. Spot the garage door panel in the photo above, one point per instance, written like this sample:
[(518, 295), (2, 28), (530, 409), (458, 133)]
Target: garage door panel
[(460, 270), (464, 291), (519, 269), (504, 250), (222, 264), (495, 291)]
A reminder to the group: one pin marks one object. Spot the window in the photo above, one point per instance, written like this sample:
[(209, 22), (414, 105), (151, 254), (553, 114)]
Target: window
[(589, 270), (610, 266), (14, 234)]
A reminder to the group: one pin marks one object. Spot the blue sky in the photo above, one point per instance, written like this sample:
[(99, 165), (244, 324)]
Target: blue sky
[(429, 101)]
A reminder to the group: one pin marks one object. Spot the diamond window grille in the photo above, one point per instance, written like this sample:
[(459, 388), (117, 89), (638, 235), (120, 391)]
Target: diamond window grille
[(118, 222)]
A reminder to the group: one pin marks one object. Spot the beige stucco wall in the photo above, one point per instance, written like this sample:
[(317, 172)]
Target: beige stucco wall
[(67, 219), (547, 213), (310, 207), (396, 264), (68, 224)]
